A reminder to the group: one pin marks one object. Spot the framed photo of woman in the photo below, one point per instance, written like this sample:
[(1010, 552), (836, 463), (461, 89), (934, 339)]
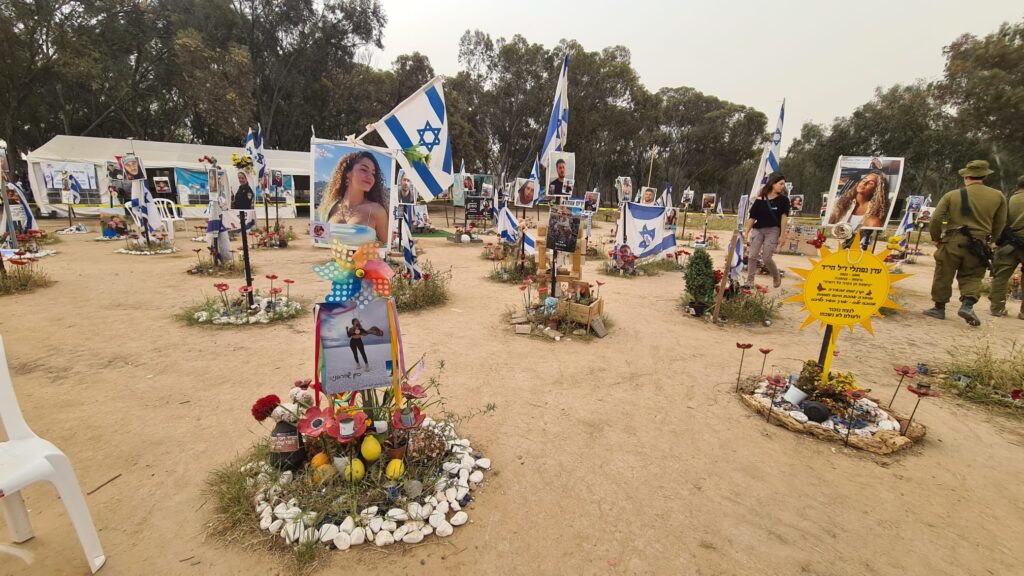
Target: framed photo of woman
[(351, 191)]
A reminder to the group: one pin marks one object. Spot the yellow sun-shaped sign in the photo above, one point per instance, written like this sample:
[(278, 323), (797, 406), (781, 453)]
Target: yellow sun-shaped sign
[(847, 287)]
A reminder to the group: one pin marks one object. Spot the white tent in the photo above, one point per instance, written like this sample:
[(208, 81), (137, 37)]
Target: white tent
[(172, 164)]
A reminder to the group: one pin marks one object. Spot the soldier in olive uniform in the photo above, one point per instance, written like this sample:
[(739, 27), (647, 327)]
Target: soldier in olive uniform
[(1010, 253), (982, 218)]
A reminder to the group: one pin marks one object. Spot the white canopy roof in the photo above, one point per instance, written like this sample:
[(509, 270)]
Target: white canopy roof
[(158, 154)]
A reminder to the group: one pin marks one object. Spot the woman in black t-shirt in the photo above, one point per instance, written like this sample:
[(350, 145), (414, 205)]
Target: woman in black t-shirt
[(764, 228)]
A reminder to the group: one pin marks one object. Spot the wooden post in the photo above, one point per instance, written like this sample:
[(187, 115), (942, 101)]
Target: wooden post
[(245, 255), (720, 293)]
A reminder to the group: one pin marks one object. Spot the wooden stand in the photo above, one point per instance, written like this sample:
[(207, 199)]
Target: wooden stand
[(544, 264)]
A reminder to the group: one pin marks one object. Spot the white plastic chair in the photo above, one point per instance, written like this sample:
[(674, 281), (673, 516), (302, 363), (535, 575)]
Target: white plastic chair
[(26, 459), (135, 217), (169, 213)]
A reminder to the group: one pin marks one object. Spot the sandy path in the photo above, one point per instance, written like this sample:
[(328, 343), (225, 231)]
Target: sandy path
[(627, 455)]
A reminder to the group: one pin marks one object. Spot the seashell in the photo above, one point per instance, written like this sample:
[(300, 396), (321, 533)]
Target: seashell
[(436, 519), (413, 537), (389, 525), (327, 532), (461, 493), (459, 519), (358, 536), (484, 463), (444, 530), (347, 525), (467, 463), (400, 533), (425, 510), (276, 526), (398, 514), (369, 512), (427, 530), (451, 494), (464, 474), (798, 416), (441, 507), (431, 500), (280, 510), (384, 538), (342, 541), (266, 521), (477, 476), (263, 506), (376, 523), (456, 506), (268, 512)]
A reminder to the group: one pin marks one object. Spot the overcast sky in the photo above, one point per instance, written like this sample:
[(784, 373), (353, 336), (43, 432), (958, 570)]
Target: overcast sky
[(824, 57)]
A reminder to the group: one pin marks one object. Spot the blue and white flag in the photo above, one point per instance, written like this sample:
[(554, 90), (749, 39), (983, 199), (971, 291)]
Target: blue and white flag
[(409, 247), (462, 166), (645, 231), (770, 155), (535, 176), (718, 209), (76, 189), (736, 264), (19, 213), (144, 205), (903, 230), (508, 230), (419, 125), (666, 196), (558, 123)]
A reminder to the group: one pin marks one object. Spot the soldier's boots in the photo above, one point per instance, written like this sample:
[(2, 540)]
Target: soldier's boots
[(938, 311), (967, 312), (997, 313)]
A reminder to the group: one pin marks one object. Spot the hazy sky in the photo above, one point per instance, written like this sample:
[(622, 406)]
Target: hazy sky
[(823, 56)]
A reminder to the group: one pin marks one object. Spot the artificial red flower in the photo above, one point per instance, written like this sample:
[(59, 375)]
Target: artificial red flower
[(20, 253), (245, 289), (718, 275), (426, 277), (19, 261), (743, 346), (599, 283), (276, 291), (35, 232), (765, 351), (762, 289), (271, 276), (221, 287), (856, 394), (288, 281), (303, 383), (317, 422), (921, 392), (747, 291), (396, 419), (522, 288), (416, 391), (263, 407), (1016, 394), (778, 381), (361, 423), (197, 250), (906, 371)]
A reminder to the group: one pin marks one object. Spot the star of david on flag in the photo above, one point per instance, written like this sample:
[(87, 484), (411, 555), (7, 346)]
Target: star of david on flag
[(645, 232), (421, 116)]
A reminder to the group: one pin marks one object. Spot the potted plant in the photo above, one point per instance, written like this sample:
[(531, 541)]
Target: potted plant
[(700, 281)]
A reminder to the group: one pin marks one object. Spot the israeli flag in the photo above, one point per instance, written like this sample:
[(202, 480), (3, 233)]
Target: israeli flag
[(769, 155), (718, 209), (29, 219), (76, 189), (535, 176), (558, 123), (144, 205), (736, 263), (508, 230), (645, 231), (409, 247), (666, 196), (420, 125), (903, 230)]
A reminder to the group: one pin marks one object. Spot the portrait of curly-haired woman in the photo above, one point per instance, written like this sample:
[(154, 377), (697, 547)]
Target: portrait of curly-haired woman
[(863, 202), (356, 194)]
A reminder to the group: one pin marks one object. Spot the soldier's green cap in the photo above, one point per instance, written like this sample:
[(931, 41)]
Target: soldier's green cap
[(976, 169)]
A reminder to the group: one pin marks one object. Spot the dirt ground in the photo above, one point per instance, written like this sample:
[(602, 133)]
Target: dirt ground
[(627, 455)]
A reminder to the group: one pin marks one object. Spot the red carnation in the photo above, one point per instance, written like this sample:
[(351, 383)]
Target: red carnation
[(263, 407)]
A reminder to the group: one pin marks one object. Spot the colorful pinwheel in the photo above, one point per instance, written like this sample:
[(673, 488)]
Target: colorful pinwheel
[(356, 274)]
